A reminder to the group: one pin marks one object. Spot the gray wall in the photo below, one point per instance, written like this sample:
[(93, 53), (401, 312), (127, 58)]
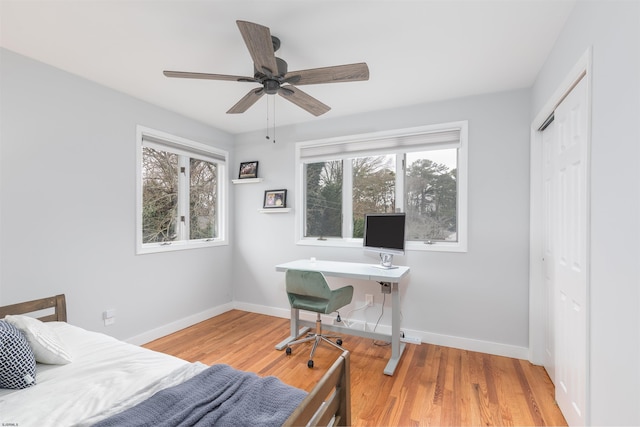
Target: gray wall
[(612, 30), (68, 204), (450, 297)]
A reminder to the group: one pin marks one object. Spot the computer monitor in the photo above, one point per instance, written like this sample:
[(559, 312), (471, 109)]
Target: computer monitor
[(384, 233)]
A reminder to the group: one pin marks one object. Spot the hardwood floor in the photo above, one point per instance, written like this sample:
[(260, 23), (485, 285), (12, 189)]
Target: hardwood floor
[(433, 385)]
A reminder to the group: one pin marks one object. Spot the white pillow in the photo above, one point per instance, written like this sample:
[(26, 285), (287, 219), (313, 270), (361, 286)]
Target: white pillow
[(44, 341)]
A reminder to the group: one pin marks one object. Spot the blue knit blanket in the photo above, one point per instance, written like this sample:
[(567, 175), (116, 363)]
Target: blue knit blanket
[(220, 395)]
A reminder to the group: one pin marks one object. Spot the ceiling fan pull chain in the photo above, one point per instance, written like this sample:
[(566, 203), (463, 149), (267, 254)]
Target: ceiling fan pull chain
[(274, 121), (267, 130)]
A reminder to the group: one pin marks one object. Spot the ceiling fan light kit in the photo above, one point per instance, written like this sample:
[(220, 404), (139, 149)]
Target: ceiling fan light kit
[(273, 75)]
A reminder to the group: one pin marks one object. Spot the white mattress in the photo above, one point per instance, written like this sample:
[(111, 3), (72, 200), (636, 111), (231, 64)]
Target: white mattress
[(106, 376)]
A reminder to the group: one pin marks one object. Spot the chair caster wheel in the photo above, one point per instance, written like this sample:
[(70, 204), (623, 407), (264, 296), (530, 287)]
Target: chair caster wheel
[(310, 363), (288, 351), (339, 341)]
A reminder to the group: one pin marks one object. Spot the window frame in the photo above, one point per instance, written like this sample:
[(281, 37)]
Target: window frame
[(348, 142), (184, 148)]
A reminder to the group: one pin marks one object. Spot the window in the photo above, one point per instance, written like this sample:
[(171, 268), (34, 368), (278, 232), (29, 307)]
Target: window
[(419, 171), (180, 192)]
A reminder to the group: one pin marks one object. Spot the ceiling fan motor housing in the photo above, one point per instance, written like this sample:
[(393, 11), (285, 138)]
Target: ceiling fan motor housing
[(272, 83), (271, 86)]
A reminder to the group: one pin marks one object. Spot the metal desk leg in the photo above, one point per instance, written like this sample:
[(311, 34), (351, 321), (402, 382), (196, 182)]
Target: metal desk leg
[(295, 332), (397, 347)]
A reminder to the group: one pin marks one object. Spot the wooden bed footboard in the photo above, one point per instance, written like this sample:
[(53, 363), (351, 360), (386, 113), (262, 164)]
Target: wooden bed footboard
[(329, 398), (58, 303)]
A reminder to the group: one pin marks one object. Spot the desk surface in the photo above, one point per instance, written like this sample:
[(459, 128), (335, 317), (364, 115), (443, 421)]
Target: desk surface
[(351, 270)]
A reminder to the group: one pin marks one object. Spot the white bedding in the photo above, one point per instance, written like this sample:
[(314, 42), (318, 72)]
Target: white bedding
[(106, 376)]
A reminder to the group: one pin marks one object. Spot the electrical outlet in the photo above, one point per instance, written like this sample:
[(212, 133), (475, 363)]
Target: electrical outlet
[(108, 314), (368, 298), (109, 317)]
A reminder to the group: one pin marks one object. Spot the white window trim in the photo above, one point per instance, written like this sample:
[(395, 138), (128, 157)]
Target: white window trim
[(194, 150), (460, 246)]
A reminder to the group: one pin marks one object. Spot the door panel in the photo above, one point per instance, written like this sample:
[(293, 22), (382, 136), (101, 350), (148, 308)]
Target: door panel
[(565, 264)]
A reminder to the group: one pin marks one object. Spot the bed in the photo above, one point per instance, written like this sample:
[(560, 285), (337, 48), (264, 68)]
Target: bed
[(101, 381)]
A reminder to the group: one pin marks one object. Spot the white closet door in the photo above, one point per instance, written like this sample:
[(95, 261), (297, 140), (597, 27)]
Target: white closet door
[(566, 268)]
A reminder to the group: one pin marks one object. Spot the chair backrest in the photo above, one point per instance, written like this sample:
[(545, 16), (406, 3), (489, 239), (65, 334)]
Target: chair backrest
[(307, 283)]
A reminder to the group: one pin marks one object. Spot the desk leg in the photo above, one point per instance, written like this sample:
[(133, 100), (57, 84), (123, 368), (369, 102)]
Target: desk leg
[(295, 332), (397, 347)]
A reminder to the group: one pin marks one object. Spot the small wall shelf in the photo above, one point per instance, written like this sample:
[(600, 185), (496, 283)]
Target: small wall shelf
[(246, 180), (275, 210)]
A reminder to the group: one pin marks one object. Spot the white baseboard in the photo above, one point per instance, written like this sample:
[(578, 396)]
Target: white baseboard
[(179, 324), (469, 344)]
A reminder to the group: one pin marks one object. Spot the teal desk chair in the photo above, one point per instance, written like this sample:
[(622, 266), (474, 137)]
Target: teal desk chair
[(308, 290)]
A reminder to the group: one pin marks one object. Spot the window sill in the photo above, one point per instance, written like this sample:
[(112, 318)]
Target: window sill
[(179, 246), (410, 246)]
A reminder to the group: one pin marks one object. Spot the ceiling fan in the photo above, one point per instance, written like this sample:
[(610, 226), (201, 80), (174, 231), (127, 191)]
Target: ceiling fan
[(272, 73)]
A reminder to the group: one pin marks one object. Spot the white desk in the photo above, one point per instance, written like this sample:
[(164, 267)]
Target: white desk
[(354, 271)]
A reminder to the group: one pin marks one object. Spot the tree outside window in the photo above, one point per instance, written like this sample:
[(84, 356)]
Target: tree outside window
[(161, 186), (374, 188), (431, 196), (203, 195), (159, 195), (324, 199)]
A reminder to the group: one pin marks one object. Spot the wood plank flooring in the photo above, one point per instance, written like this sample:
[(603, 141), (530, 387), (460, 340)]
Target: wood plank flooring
[(433, 385)]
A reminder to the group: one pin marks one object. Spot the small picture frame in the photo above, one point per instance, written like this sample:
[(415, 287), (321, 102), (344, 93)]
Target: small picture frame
[(275, 199), (248, 170)]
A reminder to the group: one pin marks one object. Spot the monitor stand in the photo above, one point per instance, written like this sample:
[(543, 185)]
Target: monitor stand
[(385, 261)]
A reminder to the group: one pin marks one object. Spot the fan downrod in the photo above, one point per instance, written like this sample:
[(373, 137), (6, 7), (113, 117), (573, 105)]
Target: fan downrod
[(271, 81)]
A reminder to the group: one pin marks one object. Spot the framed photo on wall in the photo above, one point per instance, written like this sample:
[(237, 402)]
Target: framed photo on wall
[(275, 199), (248, 170)]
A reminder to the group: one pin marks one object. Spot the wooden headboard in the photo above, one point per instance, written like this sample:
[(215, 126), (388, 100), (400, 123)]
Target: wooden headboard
[(58, 303)]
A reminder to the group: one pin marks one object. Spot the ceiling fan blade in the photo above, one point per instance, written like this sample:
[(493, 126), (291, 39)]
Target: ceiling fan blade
[(258, 41), (338, 73), (303, 100), (207, 76), (247, 101)]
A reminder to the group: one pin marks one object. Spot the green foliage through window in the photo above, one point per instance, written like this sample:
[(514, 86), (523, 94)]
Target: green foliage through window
[(430, 194), (324, 199)]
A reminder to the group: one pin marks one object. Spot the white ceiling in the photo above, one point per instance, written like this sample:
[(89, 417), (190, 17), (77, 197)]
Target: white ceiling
[(417, 51)]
